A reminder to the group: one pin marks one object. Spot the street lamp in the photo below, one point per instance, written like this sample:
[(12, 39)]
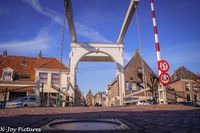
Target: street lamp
[(42, 85)]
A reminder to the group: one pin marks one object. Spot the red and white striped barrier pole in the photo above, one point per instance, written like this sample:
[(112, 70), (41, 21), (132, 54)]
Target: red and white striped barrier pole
[(155, 34), (162, 95)]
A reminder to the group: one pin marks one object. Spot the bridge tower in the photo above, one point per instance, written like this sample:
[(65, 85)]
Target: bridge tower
[(96, 51)]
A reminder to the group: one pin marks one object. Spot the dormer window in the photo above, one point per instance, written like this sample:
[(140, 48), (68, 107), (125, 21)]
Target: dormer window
[(7, 74)]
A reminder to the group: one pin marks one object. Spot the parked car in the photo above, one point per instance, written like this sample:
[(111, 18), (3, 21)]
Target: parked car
[(22, 102), (189, 103), (13, 104), (142, 103)]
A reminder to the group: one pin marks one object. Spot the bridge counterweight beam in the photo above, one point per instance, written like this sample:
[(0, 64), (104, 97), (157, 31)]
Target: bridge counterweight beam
[(129, 14), (70, 19)]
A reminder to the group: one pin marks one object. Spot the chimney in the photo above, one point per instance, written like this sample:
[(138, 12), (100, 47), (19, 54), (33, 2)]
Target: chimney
[(5, 53), (40, 55), (136, 51)]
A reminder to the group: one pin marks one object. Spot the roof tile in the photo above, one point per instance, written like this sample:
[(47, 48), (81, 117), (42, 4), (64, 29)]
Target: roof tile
[(26, 65)]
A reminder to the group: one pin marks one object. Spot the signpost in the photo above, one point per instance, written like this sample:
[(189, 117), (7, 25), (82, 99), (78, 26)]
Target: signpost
[(163, 66), (164, 77), (104, 93)]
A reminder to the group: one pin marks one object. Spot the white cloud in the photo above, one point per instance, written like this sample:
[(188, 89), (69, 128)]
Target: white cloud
[(82, 30), (45, 11), (40, 42), (127, 56), (90, 33)]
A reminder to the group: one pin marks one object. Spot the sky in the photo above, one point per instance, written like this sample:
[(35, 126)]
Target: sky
[(28, 26)]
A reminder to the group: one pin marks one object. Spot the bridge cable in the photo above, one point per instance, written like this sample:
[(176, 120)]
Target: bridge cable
[(141, 52), (61, 57)]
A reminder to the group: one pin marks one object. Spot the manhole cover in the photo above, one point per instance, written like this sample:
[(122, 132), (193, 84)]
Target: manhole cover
[(81, 125)]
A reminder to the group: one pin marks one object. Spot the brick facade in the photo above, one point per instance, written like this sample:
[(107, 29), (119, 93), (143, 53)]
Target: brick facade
[(89, 99), (133, 79), (112, 94), (185, 87)]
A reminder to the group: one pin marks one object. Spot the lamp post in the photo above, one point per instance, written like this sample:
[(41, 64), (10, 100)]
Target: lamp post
[(5, 98), (42, 85), (58, 99)]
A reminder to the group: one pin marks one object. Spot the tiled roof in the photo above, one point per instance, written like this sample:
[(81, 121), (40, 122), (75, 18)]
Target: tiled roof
[(53, 63), (183, 73), (26, 65)]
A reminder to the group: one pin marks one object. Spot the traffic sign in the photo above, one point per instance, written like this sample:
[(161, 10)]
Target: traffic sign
[(163, 66), (104, 93), (164, 78)]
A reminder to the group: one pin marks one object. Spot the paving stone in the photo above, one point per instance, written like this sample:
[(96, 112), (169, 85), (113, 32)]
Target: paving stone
[(145, 119)]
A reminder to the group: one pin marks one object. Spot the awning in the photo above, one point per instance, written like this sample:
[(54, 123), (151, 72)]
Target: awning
[(16, 88)]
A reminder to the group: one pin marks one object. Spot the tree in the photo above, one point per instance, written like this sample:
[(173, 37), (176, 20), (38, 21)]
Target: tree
[(154, 81), (153, 85)]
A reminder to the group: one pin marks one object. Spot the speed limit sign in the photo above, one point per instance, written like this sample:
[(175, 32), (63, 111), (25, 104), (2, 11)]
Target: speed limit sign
[(164, 78), (163, 66)]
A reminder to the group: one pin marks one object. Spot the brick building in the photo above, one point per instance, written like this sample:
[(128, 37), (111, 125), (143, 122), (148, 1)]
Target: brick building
[(90, 99), (184, 87), (134, 85), (79, 98), (112, 93), (98, 98)]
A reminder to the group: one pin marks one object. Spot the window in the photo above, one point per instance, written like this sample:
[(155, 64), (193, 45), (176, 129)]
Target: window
[(24, 99), (32, 99), (7, 75), (134, 87), (55, 78), (198, 85), (188, 97), (129, 86), (187, 86), (140, 71), (194, 84), (43, 77), (126, 85)]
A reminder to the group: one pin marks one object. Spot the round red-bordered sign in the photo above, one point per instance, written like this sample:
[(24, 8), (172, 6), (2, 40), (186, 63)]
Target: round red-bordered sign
[(163, 66), (164, 78)]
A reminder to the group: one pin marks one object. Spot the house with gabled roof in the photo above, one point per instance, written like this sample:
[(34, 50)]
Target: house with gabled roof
[(22, 76), (90, 98), (184, 86), (135, 88)]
